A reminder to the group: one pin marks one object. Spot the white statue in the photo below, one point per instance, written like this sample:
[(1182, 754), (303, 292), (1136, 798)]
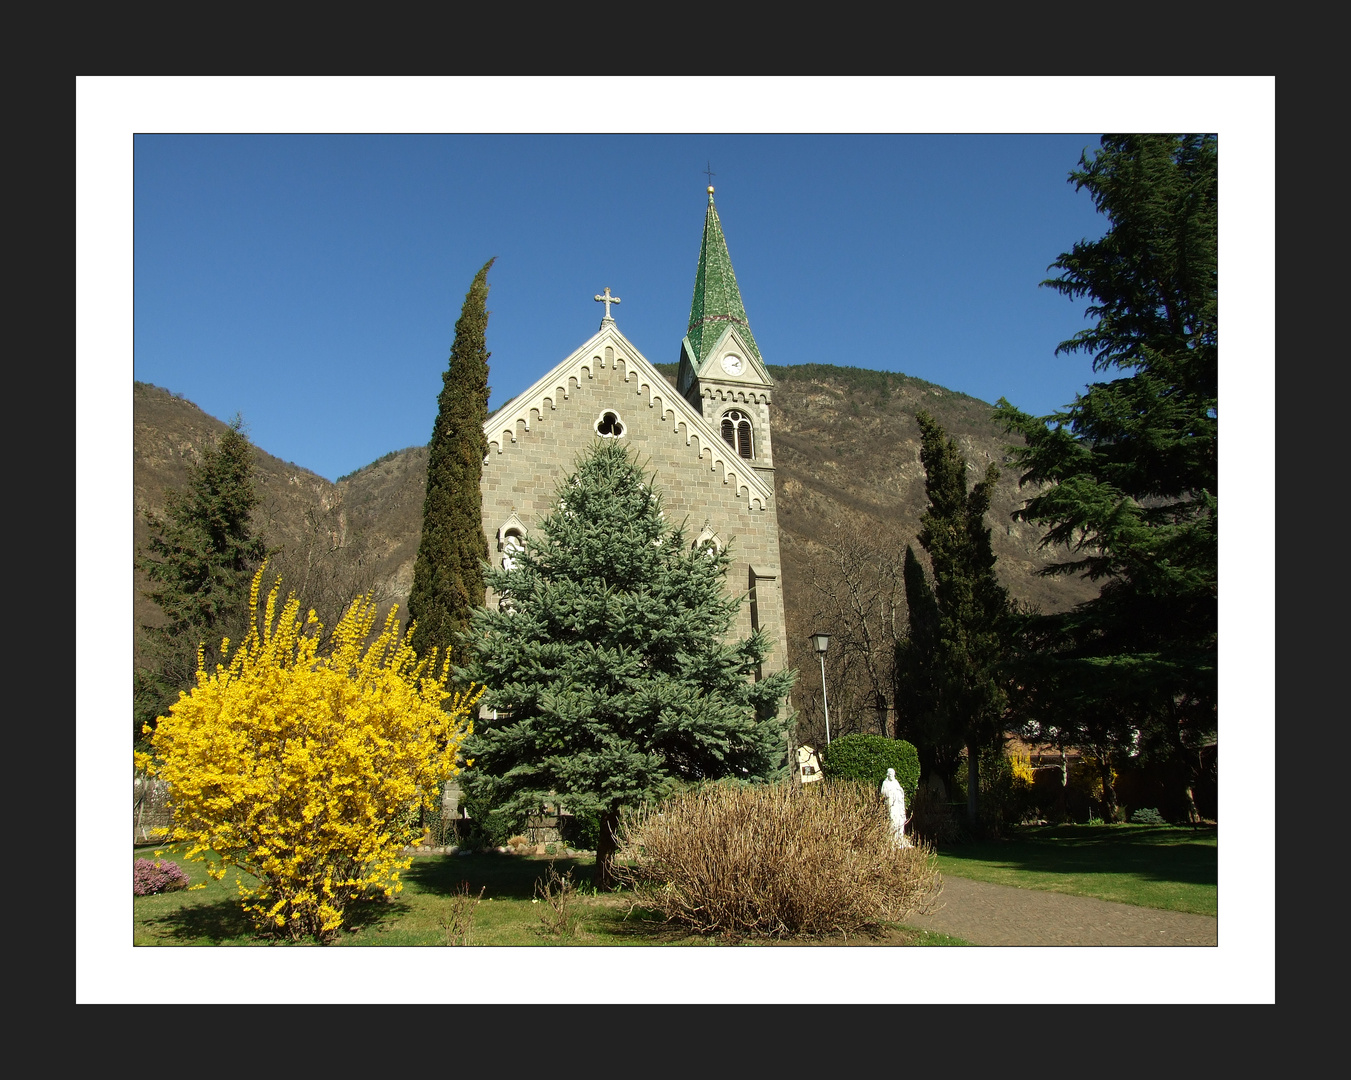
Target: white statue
[(895, 797)]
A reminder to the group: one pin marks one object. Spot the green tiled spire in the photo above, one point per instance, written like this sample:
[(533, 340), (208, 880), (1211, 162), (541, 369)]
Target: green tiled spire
[(717, 300)]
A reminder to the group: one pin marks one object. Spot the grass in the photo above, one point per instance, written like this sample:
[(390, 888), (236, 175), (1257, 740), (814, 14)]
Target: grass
[(508, 914), (1156, 866)]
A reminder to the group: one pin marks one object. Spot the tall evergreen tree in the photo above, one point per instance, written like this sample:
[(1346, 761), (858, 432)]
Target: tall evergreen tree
[(1130, 468), (953, 662), (448, 575), (920, 715), (607, 671), (200, 559)]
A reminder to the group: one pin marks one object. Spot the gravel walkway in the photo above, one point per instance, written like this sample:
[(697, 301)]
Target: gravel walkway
[(985, 914)]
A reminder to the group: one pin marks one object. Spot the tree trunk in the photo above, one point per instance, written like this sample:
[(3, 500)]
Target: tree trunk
[(1195, 770), (1193, 815), (606, 846), (1108, 790), (972, 782), (1062, 799)]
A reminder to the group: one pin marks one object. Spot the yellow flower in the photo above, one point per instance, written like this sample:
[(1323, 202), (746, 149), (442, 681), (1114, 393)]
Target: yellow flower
[(296, 764)]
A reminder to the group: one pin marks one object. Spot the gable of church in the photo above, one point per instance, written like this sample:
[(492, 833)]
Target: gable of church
[(731, 359), (707, 442), (607, 389)]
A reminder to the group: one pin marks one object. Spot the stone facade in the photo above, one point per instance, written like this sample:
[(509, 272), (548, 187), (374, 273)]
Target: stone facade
[(707, 439), (536, 439)]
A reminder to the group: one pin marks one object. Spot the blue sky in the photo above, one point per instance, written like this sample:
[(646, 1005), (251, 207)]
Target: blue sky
[(311, 284)]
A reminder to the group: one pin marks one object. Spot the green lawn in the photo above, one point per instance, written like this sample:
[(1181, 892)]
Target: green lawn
[(1147, 865), (1158, 866), (507, 914)]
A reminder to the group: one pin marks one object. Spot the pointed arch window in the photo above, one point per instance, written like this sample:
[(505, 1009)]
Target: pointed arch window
[(511, 541), (709, 543), (736, 432), (512, 546)]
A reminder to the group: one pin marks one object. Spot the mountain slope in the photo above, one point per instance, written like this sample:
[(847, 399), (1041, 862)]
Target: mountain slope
[(329, 541), (848, 478)]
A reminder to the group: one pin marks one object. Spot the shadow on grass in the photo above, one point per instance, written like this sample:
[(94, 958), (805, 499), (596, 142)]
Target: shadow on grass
[(224, 922), (645, 926), (207, 923), (607, 917), (509, 877), (1167, 854)]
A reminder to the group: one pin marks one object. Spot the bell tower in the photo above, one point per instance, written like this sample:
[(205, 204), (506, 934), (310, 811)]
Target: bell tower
[(721, 371)]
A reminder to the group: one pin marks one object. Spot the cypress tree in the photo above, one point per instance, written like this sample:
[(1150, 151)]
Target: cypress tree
[(959, 673), (920, 716), (448, 574), (200, 560)]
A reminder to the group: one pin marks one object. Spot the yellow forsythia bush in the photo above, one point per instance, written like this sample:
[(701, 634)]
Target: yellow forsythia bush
[(1021, 767), (294, 767)]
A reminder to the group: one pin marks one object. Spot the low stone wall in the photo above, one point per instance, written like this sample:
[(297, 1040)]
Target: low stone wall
[(543, 829), (150, 809)]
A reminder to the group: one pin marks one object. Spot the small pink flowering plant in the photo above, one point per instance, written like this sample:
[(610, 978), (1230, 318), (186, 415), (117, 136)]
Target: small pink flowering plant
[(160, 875)]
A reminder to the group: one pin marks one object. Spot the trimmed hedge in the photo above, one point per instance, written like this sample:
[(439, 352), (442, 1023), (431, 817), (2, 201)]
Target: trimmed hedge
[(866, 758)]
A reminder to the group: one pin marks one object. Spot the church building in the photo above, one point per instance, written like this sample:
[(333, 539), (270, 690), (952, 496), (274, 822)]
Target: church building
[(707, 438)]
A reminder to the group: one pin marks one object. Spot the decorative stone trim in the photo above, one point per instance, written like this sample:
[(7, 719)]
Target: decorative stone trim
[(513, 524), (747, 396), (609, 349)]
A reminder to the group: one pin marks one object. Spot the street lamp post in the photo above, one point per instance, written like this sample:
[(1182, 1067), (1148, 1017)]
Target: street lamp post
[(820, 642)]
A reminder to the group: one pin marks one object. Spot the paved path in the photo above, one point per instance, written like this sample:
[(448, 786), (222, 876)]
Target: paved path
[(985, 914)]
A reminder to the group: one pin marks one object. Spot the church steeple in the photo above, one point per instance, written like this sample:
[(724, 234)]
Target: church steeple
[(721, 372), (717, 299)]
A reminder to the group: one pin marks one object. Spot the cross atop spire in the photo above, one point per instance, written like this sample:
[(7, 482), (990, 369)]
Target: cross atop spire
[(607, 300)]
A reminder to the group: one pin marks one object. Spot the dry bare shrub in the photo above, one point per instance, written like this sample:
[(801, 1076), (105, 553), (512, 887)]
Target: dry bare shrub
[(775, 861), (559, 915), (457, 915)]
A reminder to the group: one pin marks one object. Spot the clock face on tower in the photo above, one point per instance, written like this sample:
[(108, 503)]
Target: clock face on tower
[(732, 364)]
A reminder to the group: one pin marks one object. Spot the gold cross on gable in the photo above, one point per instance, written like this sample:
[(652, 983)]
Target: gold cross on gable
[(607, 300)]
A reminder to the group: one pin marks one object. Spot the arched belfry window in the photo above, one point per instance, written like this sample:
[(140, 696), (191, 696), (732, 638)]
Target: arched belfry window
[(736, 432)]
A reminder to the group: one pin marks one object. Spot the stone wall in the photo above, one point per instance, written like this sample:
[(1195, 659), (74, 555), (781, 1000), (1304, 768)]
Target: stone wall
[(521, 477)]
